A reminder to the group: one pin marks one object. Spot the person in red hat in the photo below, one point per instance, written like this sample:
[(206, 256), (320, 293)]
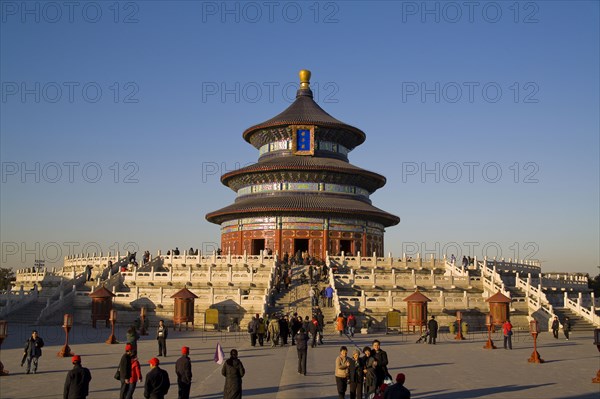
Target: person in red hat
[(157, 381), (78, 380), (397, 390), (136, 375), (125, 371), (183, 369)]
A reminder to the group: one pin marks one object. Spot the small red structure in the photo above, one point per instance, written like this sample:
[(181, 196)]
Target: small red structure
[(184, 308), (67, 325), (101, 305), (499, 311), (416, 312)]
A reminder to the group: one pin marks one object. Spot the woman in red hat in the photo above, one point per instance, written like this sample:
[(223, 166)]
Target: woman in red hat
[(136, 375)]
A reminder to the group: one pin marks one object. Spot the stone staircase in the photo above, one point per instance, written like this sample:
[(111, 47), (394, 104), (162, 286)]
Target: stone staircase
[(578, 324), (28, 314)]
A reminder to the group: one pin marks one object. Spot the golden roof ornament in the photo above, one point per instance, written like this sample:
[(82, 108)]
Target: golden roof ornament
[(304, 79)]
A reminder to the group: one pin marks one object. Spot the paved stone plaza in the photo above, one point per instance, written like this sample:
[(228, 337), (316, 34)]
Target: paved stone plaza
[(449, 369)]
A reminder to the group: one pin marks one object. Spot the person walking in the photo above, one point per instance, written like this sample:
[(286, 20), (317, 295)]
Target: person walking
[(162, 332), (77, 384), (567, 327), (132, 337), (273, 330), (233, 371), (125, 371), (380, 355), (261, 330), (507, 332), (136, 375), (342, 363), (313, 328), (32, 352), (329, 296), (302, 349), (183, 369), (397, 390), (351, 323), (555, 327), (157, 381), (356, 375), (340, 323), (432, 326)]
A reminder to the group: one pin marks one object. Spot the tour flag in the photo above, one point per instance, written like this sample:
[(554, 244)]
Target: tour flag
[(219, 354)]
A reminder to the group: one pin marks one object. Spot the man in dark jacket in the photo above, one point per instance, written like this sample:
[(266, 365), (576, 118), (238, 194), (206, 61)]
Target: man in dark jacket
[(161, 336), (397, 390), (302, 348), (284, 330), (432, 326), (157, 381), (555, 327), (33, 351), (183, 369), (380, 355), (125, 370), (78, 380)]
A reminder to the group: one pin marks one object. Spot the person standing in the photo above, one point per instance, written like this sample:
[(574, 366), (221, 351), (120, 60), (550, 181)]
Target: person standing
[(567, 327), (555, 327), (342, 363), (157, 381), (125, 371), (253, 330), (161, 335), (381, 370), (273, 330), (432, 326), (33, 351), (507, 332), (233, 371), (397, 390), (329, 296), (77, 384), (284, 330), (356, 375), (370, 376), (183, 369), (136, 375), (302, 349)]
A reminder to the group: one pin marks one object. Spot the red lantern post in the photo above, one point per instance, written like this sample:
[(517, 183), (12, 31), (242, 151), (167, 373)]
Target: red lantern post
[(489, 324), (143, 321), (67, 325), (3, 335), (534, 329), (113, 320), (459, 335)]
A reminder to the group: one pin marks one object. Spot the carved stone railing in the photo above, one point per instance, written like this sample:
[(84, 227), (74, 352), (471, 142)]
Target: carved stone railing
[(15, 300), (60, 305), (588, 314), (453, 270)]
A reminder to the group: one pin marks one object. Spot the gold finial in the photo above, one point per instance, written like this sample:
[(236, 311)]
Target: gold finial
[(304, 79)]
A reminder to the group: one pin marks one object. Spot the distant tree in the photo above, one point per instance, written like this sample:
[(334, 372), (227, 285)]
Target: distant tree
[(594, 284), (7, 276)]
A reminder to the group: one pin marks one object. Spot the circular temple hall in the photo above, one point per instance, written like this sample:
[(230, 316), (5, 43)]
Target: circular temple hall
[(303, 194)]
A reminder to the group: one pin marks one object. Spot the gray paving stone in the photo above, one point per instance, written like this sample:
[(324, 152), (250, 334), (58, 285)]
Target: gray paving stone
[(450, 369)]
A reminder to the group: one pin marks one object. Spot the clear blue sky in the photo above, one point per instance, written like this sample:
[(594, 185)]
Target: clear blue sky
[(161, 92)]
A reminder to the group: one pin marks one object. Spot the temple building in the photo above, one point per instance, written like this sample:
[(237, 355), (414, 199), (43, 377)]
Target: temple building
[(303, 194)]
